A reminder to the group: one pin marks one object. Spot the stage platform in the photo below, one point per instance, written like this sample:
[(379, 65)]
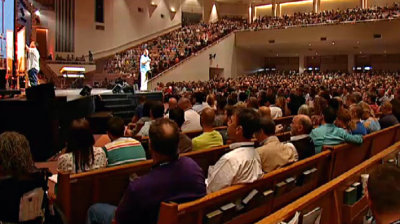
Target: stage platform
[(73, 94)]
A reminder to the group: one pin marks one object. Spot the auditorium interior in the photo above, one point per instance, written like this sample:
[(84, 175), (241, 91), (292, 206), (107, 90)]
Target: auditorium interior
[(200, 111)]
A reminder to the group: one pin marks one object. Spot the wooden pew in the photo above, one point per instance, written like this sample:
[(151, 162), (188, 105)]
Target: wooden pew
[(345, 156), (384, 138), (275, 189), (329, 197), (284, 121), (76, 192)]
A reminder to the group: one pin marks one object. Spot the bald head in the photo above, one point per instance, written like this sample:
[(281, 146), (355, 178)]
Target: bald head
[(207, 117), (184, 103), (164, 137), (301, 124), (265, 112), (172, 103)]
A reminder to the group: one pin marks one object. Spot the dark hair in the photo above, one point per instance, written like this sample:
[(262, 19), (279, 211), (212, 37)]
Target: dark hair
[(271, 98), (199, 96), (221, 102), (80, 142), (329, 115), (116, 126), (164, 137), (146, 108), (178, 115), (384, 189), (249, 120), (242, 96), (157, 109), (232, 99), (267, 125)]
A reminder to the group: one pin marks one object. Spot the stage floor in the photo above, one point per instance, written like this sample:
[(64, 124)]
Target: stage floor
[(73, 94)]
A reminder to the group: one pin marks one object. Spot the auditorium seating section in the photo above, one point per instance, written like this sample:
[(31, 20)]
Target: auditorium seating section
[(76, 192), (330, 197)]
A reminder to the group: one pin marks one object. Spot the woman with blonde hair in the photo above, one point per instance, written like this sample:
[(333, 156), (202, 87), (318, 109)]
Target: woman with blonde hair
[(368, 118)]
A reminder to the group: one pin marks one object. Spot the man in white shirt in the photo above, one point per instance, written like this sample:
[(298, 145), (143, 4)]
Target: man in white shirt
[(144, 68), (269, 101), (242, 164), (192, 118), (33, 63)]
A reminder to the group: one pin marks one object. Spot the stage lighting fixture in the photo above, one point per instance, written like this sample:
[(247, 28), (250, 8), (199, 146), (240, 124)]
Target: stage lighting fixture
[(37, 12)]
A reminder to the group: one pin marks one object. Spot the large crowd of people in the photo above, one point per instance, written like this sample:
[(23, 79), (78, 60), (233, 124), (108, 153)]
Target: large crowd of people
[(171, 48), (328, 109)]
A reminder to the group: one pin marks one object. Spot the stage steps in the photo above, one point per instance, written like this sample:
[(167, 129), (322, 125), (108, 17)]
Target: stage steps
[(121, 105)]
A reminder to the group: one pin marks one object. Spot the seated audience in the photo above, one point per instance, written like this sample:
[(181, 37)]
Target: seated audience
[(121, 149), (200, 103), (19, 177), (145, 117), (185, 143), (384, 194), (139, 109), (304, 109), (210, 137), (156, 111), (173, 178), (301, 128), (356, 112), (329, 134), (343, 120), (192, 118), (172, 103), (242, 164), (368, 119), (396, 104), (265, 112), (387, 119), (273, 153), (80, 154)]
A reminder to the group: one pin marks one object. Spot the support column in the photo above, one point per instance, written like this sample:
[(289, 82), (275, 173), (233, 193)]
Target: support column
[(350, 63), (364, 4), (317, 6), (278, 9), (274, 8), (207, 8), (252, 12), (301, 64)]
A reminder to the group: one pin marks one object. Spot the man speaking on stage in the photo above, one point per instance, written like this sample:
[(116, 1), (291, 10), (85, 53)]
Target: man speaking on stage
[(33, 63), (144, 68)]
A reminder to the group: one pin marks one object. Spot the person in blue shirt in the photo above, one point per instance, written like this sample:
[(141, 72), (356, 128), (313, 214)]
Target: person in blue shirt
[(358, 128), (329, 134)]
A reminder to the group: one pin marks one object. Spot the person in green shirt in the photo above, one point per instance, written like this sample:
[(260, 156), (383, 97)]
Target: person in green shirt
[(329, 134), (210, 137)]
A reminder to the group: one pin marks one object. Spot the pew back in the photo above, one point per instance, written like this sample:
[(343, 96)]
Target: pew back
[(76, 192), (329, 197), (275, 189)]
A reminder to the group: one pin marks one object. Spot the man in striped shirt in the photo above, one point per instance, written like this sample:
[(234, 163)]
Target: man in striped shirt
[(122, 149)]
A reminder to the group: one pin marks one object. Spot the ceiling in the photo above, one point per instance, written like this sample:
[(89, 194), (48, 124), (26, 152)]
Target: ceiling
[(340, 39)]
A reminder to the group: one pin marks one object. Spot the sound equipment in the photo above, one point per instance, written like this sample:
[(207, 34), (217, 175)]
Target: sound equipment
[(117, 89), (42, 92), (86, 90)]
